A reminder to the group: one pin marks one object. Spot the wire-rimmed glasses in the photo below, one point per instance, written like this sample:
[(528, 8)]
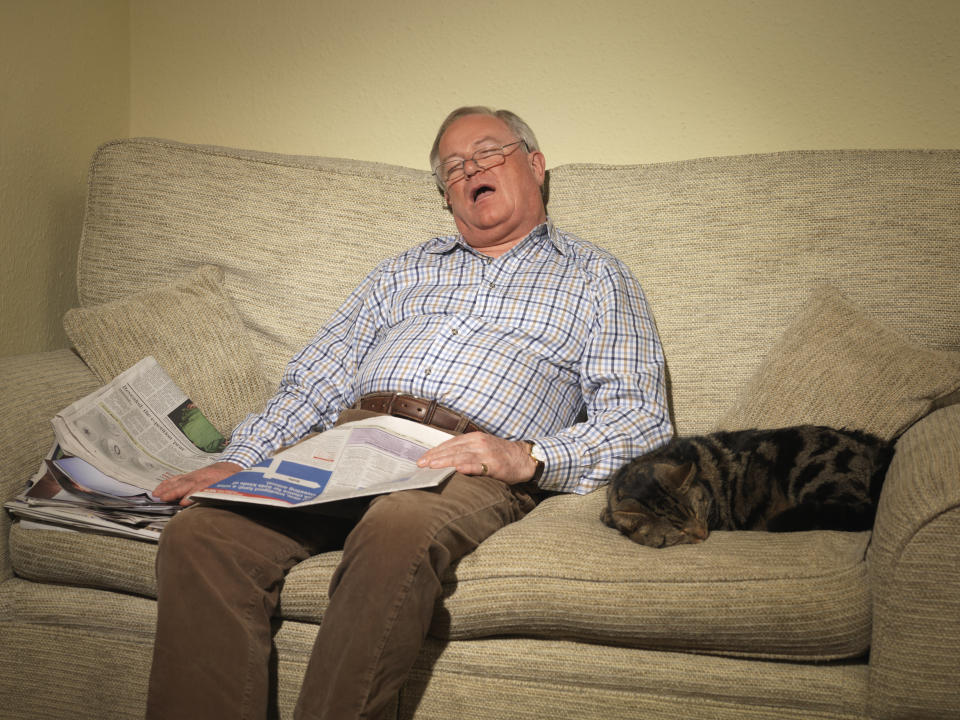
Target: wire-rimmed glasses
[(485, 158)]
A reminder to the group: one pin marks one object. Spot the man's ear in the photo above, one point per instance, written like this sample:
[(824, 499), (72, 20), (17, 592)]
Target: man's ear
[(538, 163)]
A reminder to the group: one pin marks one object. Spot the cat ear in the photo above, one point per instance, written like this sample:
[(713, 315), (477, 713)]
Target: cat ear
[(689, 473), (679, 477)]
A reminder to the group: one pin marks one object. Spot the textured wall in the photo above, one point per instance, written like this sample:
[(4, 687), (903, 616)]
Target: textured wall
[(608, 81)]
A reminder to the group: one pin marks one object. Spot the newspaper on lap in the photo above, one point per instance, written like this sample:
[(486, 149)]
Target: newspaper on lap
[(364, 457)]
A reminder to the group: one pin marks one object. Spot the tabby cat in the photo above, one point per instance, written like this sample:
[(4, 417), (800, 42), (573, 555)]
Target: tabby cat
[(797, 478)]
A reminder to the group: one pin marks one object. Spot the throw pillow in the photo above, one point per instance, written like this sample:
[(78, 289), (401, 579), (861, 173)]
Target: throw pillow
[(193, 330), (836, 366)]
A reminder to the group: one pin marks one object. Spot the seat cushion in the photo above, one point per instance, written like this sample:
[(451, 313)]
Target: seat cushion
[(524, 678), (115, 563), (561, 573)]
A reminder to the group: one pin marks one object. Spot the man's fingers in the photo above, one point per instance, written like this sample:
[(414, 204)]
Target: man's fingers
[(463, 452), (182, 486), (482, 454)]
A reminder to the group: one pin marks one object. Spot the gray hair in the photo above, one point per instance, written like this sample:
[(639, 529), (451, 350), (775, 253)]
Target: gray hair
[(517, 126)]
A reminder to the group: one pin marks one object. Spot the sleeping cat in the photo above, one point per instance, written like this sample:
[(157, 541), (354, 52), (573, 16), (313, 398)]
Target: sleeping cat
[(797, 478)]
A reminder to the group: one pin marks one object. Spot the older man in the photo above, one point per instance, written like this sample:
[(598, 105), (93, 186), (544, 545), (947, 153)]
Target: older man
[(504, 334)]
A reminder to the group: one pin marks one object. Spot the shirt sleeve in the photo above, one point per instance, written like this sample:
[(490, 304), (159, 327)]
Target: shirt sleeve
[(623, 384), (317, 383)]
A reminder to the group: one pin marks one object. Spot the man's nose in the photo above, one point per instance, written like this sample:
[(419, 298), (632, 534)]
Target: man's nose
[(470, 171)]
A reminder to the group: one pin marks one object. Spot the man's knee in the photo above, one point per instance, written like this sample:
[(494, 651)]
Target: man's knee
[(180, 533), (195, 538), (410, 513)]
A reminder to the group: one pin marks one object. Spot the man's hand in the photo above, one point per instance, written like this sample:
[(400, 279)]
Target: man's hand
[(180, 487), (481, 454)]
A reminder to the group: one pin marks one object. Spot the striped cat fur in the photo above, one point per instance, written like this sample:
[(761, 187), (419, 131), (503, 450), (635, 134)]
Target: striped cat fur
[(796, 478)]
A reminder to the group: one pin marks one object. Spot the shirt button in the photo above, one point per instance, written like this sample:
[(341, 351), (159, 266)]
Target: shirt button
[(454, 332), (492, 285), (427, 371)]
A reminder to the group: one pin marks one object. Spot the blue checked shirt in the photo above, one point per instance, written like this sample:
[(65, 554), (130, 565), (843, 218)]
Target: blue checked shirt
[(519, 344)]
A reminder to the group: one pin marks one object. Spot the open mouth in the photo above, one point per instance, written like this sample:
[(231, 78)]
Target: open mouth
[(480, 191)]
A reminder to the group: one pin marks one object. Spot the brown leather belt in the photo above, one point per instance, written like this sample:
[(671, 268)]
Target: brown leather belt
[(428, 412)]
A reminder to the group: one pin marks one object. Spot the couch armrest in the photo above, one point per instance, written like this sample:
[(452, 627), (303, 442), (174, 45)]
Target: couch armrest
[(914, 561), (33, 388)]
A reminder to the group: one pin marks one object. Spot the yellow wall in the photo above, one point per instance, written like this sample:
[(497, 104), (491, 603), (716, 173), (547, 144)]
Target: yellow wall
[(64, 88), (599, 80), (604, 81)]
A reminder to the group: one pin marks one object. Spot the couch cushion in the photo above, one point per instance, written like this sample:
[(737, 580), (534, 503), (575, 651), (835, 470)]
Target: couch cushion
[(114, 563), (836, 366), (191, 327), (491, 679), (68, 557), (560, 573)]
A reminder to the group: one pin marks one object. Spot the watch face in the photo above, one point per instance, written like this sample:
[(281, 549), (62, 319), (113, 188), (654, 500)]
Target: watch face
[(537, 453)]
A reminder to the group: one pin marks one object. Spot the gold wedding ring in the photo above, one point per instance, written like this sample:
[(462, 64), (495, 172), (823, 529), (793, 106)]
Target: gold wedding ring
[(483, 469)]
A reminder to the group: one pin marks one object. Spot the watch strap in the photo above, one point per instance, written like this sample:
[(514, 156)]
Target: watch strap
[(538, 472)]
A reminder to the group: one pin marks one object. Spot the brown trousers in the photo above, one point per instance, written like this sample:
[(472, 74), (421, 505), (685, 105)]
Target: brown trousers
[(219, 576)]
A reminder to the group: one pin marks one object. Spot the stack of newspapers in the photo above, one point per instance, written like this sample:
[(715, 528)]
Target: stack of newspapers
[(116, 445), (112, 448)]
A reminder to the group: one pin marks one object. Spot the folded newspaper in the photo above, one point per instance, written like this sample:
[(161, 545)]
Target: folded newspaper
[(92, 501), (117, 444), (140, 428)]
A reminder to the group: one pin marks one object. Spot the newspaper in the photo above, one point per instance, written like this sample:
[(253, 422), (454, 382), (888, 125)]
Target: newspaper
[(139, 429), (113, 447), (69, 493), (356, 459), (117, 444)]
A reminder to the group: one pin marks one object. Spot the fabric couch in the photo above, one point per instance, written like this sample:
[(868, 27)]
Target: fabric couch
[(788, 287)]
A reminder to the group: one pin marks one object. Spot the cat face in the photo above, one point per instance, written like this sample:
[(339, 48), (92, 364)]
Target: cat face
[(659, 505)]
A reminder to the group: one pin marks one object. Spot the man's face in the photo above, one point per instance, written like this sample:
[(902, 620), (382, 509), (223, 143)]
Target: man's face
[(497, 207)]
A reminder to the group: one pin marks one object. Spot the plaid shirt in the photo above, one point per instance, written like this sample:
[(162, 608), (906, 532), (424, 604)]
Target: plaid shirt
[(519, 344)]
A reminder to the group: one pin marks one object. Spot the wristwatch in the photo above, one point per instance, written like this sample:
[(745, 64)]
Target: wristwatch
[(537, 454)]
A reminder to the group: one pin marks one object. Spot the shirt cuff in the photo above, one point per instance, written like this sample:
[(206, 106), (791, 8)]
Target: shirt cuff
[(243, 454), (563, 467)]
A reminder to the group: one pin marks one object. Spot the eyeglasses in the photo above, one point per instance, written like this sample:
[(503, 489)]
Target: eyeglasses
[(485, 158)]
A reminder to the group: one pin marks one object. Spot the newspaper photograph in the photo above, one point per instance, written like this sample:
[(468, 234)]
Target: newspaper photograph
[(356, 459)]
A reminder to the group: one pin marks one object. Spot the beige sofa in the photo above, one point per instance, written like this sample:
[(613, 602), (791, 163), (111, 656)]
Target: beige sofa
[(797, 286)]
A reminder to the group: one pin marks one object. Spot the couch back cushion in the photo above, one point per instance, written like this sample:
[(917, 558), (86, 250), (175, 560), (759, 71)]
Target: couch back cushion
[(727, 249), (294, 235)]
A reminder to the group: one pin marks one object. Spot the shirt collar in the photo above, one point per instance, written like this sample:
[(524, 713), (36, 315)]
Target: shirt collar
[(548, 229)]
